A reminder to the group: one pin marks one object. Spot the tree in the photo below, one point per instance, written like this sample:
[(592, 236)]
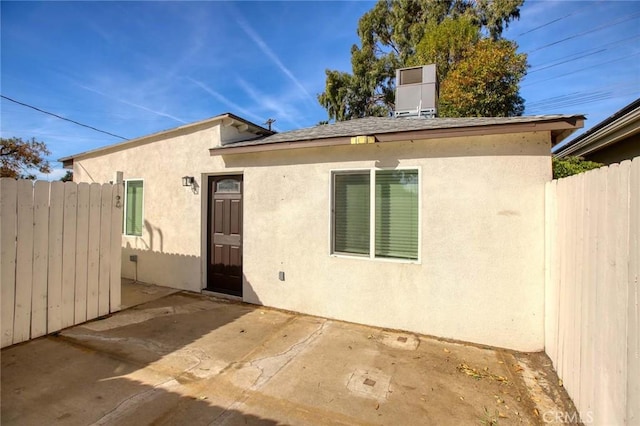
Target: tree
[(479, 76), (485, 82), (389, 35), (19, 159), (445, 43), (68, 176), (568, 166)]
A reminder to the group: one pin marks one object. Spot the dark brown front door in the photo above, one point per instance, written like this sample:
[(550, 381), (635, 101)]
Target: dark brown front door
[(224, 238)]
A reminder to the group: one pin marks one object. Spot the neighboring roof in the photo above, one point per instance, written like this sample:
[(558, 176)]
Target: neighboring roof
[(227, 118), (389, 128), (620, 126)]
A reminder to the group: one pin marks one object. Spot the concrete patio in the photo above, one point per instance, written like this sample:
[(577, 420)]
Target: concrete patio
[(183, 358)]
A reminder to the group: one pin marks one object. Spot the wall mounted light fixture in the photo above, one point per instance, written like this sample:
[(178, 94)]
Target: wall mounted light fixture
[(187, 181)]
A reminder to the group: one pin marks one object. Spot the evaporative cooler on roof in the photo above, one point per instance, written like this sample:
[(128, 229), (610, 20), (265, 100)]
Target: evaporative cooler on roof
[(416, 91)]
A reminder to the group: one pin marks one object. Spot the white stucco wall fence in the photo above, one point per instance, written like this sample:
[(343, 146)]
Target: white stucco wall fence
[(592, 327), (61, 250)]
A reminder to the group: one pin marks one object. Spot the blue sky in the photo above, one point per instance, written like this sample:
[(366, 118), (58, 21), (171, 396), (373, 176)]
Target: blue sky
[(134, 68)]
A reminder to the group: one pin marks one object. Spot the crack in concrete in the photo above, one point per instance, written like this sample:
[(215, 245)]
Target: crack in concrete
[(270, 366), (130, 404)]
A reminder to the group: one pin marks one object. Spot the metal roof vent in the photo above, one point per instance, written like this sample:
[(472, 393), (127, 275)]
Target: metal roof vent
[(416, 92)]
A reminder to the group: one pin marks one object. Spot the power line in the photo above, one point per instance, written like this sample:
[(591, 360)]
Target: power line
[(570, 102), (583, 54), (565, 61), (581, 69), (544, 25), (581, 98), (61, 117), (597, 100), (589, 31)]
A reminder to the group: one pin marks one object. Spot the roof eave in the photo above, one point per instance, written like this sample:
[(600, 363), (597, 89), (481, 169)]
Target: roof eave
[(560, 128), (226, 119), (621, 128)]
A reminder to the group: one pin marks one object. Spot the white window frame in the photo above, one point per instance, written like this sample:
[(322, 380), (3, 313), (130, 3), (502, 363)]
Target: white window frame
[(124, 211), (372, 215)]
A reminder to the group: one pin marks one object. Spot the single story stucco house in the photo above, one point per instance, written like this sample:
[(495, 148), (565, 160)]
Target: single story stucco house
[(430, 225)]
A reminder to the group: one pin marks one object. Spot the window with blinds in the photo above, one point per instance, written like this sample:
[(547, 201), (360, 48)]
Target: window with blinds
[(133, 205), (351, 204), (396, 214), (394, 204)]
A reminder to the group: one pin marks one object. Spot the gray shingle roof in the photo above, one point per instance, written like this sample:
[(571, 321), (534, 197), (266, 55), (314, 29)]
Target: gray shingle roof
[(379, 125)]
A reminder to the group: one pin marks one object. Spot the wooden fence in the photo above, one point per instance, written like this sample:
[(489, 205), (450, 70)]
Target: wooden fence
[(60, 255), (592, 318)]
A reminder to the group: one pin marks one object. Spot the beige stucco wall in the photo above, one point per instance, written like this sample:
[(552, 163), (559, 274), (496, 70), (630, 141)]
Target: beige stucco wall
[(481, 273), (169, 248)]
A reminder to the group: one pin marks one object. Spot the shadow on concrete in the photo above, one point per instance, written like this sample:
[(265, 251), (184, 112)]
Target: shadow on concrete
[(54, 382), (156, 363)]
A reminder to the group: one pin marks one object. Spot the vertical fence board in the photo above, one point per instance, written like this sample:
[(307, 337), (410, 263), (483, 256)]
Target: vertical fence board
[(24, 263), (8, 226), (40, 259), (619, 292), (82, 241), (560, 262), (600, 288), (606, 412), (54, 276), (633, 298), (69, 253), (93, 249), (105, 250), (566, 198), (551, 311), (588, 299), (576, 291), (561, 194), (116, 248)]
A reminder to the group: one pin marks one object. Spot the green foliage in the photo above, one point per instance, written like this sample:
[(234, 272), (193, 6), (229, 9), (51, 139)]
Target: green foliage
[(567, 166), (446, 43), (19, 159), (485, 82), (494, 15), (399, 33), (68, 176)]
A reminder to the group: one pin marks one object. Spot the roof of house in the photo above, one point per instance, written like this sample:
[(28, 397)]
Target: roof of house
[(227, 118), (381, 129), (619, 126), (389, 128)]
